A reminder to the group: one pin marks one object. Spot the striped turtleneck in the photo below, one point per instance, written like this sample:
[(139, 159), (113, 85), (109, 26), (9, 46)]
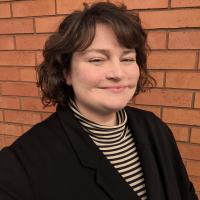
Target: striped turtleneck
[(117, 144)]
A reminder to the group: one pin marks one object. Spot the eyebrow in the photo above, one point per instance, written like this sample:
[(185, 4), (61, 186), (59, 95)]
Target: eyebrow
[(106, 51)]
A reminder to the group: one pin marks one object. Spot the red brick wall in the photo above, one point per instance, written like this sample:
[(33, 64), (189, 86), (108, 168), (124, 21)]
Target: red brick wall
[(173, 35)]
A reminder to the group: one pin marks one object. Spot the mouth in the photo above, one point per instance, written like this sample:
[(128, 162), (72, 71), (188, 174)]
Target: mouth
[(115, 89)]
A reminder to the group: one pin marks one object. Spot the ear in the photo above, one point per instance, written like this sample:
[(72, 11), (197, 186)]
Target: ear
[(67, 76)]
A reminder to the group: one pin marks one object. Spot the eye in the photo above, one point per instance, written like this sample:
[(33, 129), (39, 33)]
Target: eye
[(96, 60), (128, 60)]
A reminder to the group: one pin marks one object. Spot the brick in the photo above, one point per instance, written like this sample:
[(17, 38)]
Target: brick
[(156, 40), (26, 128), (27, 74), (8, 26), (19, 89), (39, 57), (199, 63), (197, 100), (196, 182), (10, 129), (154, 109), (165, 98), (66, 7), (45, 115), (5, 10), (180, 133), (172, 60), (193, 168), (34, 104), (9, 102), (159, 77), (181, 116), (6, 43), (184, 161), (31, 42), (1, 115), (2, 143), (189, 80), (47, 24), (33, 8), (170, 18), (195, 135), (185, 3), (17, 58), (9, 73), (189, 151), (184, 40), (145, 4), (8, 139), (22, 117)]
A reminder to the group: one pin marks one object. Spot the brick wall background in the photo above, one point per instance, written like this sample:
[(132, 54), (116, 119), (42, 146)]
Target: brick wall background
[(173, 28)]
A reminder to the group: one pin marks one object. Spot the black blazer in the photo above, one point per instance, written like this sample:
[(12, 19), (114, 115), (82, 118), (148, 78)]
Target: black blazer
[(56, 159)]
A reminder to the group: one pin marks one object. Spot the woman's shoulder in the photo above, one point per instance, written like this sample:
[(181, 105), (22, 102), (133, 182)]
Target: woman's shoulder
[(14, 159), (149, 121), (40, 138), (139, 113), (37, 132), (37, 148)]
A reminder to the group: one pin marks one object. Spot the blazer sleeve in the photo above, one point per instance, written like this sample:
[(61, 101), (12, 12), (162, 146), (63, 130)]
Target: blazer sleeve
[(14, 184), (178, 160), (192, 192), (5, 196)]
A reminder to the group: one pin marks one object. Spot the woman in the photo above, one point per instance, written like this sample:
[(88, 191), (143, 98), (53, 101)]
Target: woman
[(94, 146)]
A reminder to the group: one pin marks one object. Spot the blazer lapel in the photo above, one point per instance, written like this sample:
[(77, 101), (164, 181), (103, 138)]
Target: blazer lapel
[(148, 160), (91, 157)]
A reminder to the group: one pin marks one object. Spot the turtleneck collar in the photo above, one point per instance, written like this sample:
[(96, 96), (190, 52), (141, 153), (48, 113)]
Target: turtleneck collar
[(100, 133)]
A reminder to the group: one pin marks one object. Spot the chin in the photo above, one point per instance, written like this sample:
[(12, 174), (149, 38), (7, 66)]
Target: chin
[(116, 107)]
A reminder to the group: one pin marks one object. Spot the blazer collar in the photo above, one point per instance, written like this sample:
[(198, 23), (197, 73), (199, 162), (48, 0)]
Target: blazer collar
[(107, 176), (91, 157), (148, 160)]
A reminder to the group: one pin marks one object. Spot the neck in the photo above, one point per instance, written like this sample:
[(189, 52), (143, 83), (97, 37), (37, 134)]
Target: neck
[(99, 118)]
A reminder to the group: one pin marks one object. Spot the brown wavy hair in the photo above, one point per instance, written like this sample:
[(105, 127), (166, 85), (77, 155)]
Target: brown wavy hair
[(75, 33)]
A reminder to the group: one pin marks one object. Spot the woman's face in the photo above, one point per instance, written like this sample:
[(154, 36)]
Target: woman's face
[(104, 76)]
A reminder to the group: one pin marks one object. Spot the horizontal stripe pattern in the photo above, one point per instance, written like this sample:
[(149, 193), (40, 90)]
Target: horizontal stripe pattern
[(117, 144)]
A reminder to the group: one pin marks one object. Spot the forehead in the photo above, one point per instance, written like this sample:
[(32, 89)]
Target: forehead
[(104, 37), (105, 42)]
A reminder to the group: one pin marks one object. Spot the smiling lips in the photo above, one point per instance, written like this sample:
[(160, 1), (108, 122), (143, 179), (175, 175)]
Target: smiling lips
[(115, 88)]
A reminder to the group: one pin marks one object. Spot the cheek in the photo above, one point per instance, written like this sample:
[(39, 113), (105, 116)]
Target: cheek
[(87, 77), (134, 74)]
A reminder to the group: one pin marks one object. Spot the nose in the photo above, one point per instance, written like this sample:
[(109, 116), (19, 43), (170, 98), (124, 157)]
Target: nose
[(115, 71)]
